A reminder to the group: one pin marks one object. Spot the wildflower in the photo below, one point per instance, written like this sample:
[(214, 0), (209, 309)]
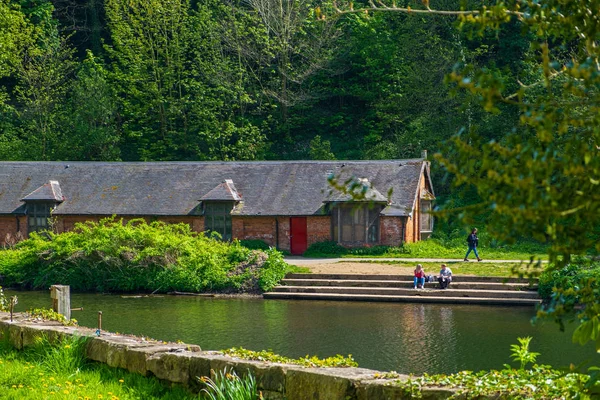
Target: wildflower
[(51, 378), (121, 381), (68, 383), (65, 391), (100, 396), (80, 385), (20, 386), (45, 385), (14, 386), (67, 346), (52, 393), (110, 393)]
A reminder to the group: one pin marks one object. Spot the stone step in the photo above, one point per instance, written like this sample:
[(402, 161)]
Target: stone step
[(429, 291), (406, 299), (456, 284), (404, 277)]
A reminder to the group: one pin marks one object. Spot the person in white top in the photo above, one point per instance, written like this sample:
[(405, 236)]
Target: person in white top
[(445, 277)]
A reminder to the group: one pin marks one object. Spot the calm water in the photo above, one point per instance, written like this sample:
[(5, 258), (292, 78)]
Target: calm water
[(408, 338)]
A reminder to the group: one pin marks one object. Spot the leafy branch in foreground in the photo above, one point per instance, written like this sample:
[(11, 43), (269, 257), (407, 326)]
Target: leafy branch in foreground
[(539, 382)]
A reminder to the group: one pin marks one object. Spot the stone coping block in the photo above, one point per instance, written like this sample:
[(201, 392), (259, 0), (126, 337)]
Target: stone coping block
[(184, 364)]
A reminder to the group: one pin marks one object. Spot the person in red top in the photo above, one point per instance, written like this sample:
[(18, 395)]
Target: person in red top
[(419, 277)]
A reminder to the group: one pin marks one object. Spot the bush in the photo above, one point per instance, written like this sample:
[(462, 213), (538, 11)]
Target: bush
[(254, 244), (111, 256), (325, 249), (576, 274)]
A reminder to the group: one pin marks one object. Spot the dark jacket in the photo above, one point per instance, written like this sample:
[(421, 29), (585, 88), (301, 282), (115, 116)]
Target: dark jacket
[(472, 240)]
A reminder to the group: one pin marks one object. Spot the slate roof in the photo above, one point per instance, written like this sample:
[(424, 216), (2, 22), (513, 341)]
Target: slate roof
[(175, 188)]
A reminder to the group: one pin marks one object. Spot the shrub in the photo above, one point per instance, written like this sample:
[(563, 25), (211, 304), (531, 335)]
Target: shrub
[(255, 244), (575, 274), (137, 256), (307, 361), (325, 249)]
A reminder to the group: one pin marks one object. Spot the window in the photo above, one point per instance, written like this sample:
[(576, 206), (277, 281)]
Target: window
[(426, 219), (38, 215), (217, 218), (352, 224)]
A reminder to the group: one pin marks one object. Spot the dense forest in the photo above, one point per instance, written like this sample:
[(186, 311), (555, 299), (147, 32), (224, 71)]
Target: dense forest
[(235, 80), (151, 80)]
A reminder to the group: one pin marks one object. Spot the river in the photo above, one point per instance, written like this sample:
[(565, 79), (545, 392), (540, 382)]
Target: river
[(407, 338)]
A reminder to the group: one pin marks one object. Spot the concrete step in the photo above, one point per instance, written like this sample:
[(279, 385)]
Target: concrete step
[(398, 298), (404, 277), (429, 291), (457, 284)]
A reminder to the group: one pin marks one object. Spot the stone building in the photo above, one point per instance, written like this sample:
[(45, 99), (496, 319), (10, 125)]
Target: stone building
[(287, 204)]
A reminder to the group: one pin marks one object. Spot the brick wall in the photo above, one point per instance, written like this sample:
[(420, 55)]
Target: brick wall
[(10, 226), (390, 229), (318, 229), (261, 228)]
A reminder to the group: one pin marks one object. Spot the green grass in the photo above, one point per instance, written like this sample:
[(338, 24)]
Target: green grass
[(454, 248), (60, 372)]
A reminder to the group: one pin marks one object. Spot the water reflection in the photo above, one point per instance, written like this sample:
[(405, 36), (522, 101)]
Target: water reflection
[(408, 338)]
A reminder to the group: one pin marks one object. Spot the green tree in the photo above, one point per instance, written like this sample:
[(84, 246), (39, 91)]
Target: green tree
[(165, 68), (93, 133), (542, 178)]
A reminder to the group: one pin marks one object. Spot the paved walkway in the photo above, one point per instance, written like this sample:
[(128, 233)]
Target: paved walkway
[(296, 260)]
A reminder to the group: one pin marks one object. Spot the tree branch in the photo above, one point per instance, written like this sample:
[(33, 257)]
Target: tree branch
[(409, 10)]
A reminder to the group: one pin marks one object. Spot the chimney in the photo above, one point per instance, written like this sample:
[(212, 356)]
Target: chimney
[(424, 154)]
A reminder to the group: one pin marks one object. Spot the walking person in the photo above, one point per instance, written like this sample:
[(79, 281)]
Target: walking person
[(473, 242), (419, 277), (445, 277)]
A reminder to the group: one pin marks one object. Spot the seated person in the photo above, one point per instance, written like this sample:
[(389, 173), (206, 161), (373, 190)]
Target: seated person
[(445, 277), (419, 277)]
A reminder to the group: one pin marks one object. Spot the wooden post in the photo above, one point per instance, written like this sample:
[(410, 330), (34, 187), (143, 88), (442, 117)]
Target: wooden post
[(61, 299), (99, 320)]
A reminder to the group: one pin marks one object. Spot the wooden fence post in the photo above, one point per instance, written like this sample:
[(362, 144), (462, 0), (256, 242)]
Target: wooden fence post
[(61, 299)]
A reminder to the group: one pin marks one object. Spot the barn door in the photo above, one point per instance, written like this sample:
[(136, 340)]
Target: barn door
[(298, 238)]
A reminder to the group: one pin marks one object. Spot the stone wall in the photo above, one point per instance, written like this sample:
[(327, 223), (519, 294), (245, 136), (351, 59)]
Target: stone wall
[(183, 364)]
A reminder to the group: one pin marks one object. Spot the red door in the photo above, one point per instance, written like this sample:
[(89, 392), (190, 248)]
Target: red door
[(298, 242)]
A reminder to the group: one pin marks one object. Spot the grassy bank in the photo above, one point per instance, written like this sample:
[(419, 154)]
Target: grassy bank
[(454, 248), (61, 372), (139, 257)]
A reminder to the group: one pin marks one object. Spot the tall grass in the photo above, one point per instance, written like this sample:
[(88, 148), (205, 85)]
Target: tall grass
[(66, 355), (224, 385), (56, 370)]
